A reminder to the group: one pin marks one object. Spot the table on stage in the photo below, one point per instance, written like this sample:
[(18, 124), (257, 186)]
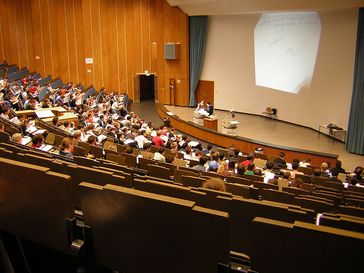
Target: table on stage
[(210, 123), (332, 132)]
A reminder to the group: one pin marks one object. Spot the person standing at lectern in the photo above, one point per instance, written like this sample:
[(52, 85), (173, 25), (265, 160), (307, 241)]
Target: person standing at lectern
[(209, 108)]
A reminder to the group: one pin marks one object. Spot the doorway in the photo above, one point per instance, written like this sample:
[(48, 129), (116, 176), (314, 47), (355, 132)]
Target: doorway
[(146, 83)]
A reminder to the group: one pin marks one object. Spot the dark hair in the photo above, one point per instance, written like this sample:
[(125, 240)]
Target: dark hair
[(269, 165), (258, 172), (37, 139), (282, 154), (240, 169), (251, 166), (338, 163), (161, 150), (91, 139), (250, 157), (295, 165), (169, 158), (203, 160)]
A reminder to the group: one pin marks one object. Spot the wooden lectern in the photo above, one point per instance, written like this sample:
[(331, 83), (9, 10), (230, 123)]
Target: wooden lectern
[(210, 123)]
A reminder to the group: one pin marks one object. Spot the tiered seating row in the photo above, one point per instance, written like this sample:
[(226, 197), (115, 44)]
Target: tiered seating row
[(127, 214)]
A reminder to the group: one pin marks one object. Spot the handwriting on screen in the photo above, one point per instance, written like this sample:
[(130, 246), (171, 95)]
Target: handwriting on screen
[(285, 47)]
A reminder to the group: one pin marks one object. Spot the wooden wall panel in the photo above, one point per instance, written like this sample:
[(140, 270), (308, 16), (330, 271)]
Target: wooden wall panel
[(124, 37), (79, 42), (205, 91), (109, 44), (48, 61), (121, 46), (9, 35), (88, 42), (28, 35), (37, 37)]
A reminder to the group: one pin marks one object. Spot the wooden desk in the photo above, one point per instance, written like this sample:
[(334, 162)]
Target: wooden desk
[(57, 111), (65, 117), (210, 123)]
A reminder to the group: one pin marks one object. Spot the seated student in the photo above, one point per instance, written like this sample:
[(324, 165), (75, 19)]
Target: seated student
[(279, 162), (209, 109), (305, 163), (158, 156), (67, 147), (325, 169), (250, 169), (231, 167), (294, 171), (17, 138), (268, 172), (337, 169), (216, 184), (240, 170), (358, 175), (257, 171), (37, 141), (201, 165), (249, 159), (208, 150), (169, 159), (213, 165), (223, 169)]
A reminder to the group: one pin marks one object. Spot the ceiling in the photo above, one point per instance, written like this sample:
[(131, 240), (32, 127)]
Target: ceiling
[(230, 7)]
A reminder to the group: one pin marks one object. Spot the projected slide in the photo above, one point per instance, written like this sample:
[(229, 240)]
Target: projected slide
[(285, 47)]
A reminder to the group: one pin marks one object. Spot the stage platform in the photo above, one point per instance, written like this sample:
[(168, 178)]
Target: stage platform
[(272, 135)]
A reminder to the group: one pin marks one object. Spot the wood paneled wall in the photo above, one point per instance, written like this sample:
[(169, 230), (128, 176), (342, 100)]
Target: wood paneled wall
[(124, 37)]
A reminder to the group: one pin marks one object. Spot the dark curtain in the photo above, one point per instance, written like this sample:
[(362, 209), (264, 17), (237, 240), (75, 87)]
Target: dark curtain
[(198, 27), (355, 137)]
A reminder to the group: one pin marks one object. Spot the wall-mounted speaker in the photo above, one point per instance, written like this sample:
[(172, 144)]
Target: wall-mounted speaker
[(172, 51)]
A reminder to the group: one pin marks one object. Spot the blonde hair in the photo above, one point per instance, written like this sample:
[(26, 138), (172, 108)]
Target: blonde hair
[(223, 166), (66, 142), (17, 137)]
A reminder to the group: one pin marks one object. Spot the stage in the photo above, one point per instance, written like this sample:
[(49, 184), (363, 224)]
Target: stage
[(269, 133)]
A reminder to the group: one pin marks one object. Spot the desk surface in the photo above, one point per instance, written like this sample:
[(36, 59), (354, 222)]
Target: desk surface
[(32, 112)]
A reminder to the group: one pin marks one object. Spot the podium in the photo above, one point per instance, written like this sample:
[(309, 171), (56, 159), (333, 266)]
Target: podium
[(210, 123)]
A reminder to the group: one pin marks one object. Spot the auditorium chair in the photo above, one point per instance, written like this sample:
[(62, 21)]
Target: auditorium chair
[(296, 191), (354, 211), (242, 211), (253, 177), (116, 158), (277, 196), (96, 151), (170, 166), (242, 190), (239, 180), (130, 159), (143, 234), (179, 172), (342, 221), (169, 189), (299, 247), (143, 162), (5, 137), (158, 171), (305, 178), (192, 181), (127, 177), (315, 204), (305, 170), (261, 185), (36, 207)]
